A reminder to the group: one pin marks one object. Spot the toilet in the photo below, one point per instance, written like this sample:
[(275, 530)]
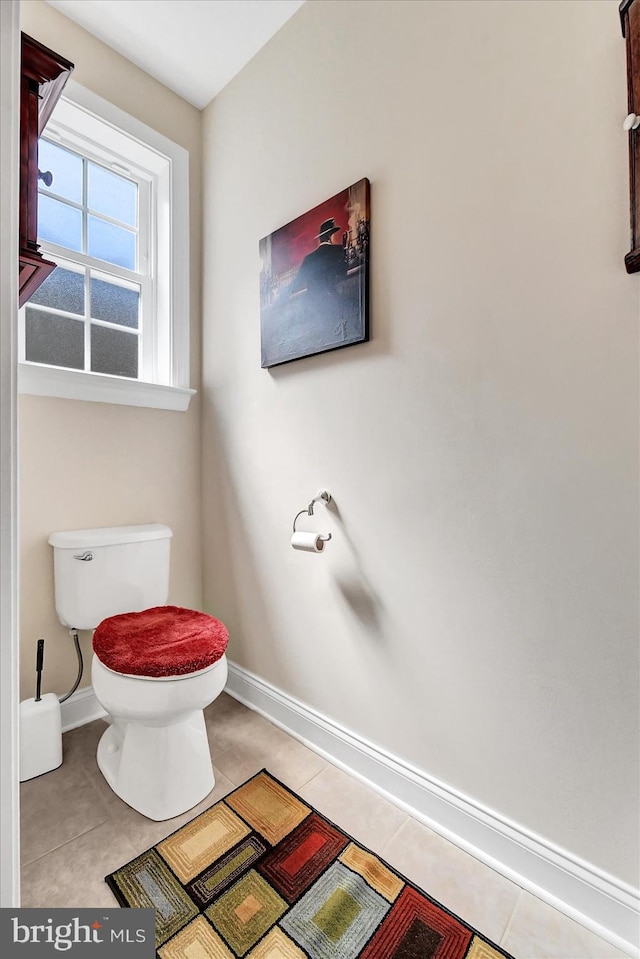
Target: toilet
[(155, 667)]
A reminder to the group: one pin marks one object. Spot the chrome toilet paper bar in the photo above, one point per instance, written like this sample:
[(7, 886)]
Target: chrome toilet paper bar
[(311, 542)]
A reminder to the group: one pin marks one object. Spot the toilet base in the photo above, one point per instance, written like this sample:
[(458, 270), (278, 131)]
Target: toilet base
[(160, 771)]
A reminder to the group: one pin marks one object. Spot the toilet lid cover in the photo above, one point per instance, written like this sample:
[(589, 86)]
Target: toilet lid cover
[(162, 641)]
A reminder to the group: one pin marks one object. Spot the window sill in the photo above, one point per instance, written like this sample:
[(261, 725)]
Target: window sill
[(99, 388)]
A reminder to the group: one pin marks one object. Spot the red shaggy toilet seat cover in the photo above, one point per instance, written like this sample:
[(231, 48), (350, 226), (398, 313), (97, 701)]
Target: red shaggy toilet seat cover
[(162, 641)]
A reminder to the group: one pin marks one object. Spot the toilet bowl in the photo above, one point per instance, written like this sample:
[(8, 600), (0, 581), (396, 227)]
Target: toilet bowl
[(155, 754), (155, 667)]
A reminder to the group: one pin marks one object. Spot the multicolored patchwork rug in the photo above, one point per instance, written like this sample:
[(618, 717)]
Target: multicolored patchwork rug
[(262, 874)]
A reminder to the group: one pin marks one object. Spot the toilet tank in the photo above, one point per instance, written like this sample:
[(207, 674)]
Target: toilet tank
[(109, 570)]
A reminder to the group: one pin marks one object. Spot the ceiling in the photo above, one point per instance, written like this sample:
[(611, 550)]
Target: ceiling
[(194, 47)]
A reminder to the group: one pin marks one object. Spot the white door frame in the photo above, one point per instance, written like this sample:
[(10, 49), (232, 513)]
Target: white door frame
[(9, 696)]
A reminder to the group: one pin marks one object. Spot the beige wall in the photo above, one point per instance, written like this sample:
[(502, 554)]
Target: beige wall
[(95, 464), (476, 610)]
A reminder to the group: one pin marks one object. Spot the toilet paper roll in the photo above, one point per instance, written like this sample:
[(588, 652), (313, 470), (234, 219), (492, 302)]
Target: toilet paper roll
[(311, 542)]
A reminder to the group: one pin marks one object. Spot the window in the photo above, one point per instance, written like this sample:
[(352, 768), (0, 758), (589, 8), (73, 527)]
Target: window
[(111, 322), (91, 312)]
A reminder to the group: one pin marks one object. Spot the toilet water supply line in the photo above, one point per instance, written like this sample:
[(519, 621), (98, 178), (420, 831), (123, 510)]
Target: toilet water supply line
[(76, 640)]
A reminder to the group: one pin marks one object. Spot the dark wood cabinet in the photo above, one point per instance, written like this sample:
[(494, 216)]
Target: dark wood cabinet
[(43, 75)]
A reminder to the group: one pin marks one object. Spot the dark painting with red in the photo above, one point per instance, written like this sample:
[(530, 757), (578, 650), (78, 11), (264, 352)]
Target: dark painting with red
[(314, 280)]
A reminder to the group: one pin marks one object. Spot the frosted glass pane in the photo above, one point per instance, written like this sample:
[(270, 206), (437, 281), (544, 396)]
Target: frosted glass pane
[(114, 352), (59, 223), (112, 195), (112, 243), (114, 304), (54, 340), (66, 168), (62, 290)]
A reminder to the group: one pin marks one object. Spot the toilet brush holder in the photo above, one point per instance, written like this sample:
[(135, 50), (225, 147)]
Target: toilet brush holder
[(40, 729)]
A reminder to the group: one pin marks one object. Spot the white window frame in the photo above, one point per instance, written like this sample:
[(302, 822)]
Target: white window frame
[(82, 121)]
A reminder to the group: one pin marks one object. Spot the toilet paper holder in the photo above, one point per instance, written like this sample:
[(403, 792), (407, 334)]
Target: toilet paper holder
[(322, 496)]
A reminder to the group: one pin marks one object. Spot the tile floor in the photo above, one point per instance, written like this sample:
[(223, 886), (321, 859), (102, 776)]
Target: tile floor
[(74, 831)]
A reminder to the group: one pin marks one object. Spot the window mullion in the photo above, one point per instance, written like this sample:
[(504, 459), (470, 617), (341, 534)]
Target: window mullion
[(87, 284), (112, 220), (87, 321), (148, 318), (85, 226)]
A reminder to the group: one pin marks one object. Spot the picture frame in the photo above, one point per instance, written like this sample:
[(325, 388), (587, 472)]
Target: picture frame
[(314, 279)]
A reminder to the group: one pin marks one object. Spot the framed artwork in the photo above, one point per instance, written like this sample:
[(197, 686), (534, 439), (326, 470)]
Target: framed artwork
[(314, 280)]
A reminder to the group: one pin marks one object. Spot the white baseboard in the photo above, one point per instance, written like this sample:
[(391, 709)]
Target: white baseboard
[(598, 901), (81, 708)]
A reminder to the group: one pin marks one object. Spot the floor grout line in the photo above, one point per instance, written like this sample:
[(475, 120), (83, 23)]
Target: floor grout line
[(507, 931), (394, 835), (67, 842), (314, 776)]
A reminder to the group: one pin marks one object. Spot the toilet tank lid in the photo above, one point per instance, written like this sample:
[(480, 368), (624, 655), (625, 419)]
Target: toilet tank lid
[(109, 536)]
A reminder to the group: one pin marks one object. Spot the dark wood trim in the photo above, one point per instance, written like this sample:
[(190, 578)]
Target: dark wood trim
[(49, 70), (630, 13), (632, 261)]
